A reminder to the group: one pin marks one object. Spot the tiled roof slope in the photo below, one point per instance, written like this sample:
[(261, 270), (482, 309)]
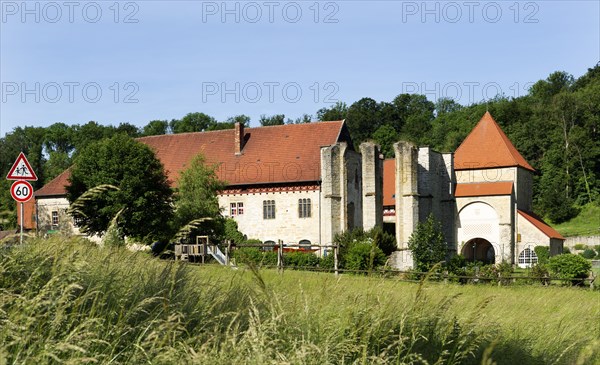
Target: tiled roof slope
[(483, 189), (541, 225), (487, 147), (277, 154), (389, 182)]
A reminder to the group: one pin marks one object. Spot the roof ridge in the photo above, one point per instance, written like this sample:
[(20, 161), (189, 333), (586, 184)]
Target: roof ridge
[(501, 152)]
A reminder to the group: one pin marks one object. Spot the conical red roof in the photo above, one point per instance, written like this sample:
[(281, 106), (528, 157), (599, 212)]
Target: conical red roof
[(488, 147)]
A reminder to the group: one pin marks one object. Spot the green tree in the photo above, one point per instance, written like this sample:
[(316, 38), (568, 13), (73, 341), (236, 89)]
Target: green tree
[(363, 119), (196, 196), (427, 244), (143, 196), (155, 128), (192, 122), (386, 136), (338, 111), (278, 119)]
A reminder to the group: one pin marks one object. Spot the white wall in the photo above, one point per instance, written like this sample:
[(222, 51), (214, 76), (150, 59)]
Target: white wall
[(286, 225)]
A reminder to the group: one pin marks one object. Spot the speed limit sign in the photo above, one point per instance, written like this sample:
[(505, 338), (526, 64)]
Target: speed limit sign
[(21, 191)]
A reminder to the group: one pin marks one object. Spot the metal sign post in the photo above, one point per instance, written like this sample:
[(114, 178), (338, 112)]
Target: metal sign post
[(21, 190)]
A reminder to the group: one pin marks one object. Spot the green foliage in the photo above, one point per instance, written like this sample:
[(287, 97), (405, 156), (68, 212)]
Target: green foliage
[(542, 253), (196, 198), (566, 250), (192, 122), (376, 236), (254, 256), (338, 111), (143, 192), (385, 241), (588, 253), (70, 302), (278, 119), (385, 136), (580, 246), (427, 244), (300, 259), (569, 266), (364, 256), (541, 272), (232, 233)]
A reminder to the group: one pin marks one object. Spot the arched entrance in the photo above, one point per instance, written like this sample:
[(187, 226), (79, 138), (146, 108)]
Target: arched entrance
[(479, 249)]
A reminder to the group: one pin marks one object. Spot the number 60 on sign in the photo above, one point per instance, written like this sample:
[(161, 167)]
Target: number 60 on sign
[(21, 191)]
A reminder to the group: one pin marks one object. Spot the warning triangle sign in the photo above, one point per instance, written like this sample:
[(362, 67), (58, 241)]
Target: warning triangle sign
[(21, 170)]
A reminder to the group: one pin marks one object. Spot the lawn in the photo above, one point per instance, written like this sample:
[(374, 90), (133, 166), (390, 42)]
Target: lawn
[(68, 301), (587, 223)]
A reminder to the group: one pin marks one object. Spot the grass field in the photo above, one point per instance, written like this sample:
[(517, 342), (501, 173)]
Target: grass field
[(70, 302), (587, 223)]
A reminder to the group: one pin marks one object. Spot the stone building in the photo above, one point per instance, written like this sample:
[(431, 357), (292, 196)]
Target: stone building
[(298, 183), (305, 183), (482, 194)]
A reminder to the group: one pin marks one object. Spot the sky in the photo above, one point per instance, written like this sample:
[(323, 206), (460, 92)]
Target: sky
[(137, 61)]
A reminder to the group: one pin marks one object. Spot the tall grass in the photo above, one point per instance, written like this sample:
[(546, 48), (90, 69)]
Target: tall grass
[(68, 301)]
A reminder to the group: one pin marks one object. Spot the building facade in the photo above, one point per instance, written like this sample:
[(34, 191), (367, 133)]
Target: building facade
[(305, 183)]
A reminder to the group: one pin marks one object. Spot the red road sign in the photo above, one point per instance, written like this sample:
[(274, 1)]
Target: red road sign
[(21, 191), (21, 170)]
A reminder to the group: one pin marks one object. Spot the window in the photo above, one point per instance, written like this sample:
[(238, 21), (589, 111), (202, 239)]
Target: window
[(268, 209), (304, 244), (527, 257), (55, 218), (304, 208), (236, 209), (269, 246)]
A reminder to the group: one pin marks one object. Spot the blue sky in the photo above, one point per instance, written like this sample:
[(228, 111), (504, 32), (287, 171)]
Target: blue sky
[(164, 59)]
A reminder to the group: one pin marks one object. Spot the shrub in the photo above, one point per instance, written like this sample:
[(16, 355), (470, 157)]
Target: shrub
[(569, 266), (588, 253), (385, 241), (580, 247), (540, 271), (327, 261), (566, 250), (300, 259), (254, 256), (427, 244), (364, 256), (542, 253)]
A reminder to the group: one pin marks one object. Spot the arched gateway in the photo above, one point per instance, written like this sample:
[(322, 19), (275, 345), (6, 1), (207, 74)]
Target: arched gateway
[(479, 249)]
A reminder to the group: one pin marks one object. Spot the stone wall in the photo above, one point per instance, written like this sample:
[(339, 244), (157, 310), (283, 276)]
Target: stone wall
[(486, 175), (287, 225), (372, 185), (407, 200), (584, 240)]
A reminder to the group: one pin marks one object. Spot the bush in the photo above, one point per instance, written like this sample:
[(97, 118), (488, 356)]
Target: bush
[(254, 256), (569, 266), (427, 244), (580, 247), (300, 259), (499, 272), (327, 262), (566, 250), (385, 241), (542, 253), (588, 253), (364, 256), (540, 271)]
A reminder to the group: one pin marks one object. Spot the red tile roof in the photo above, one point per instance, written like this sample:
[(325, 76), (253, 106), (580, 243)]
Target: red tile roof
[(541, 225), (483, 189), (486, 147), (276, 154), (56, 186), (389, 182)]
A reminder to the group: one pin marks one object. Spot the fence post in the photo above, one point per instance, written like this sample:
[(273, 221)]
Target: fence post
[(335, 259), (280, 256), (227, 250)]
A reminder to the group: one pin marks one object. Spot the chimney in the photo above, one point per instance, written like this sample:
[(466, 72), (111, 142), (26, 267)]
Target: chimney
[(239, 138)]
